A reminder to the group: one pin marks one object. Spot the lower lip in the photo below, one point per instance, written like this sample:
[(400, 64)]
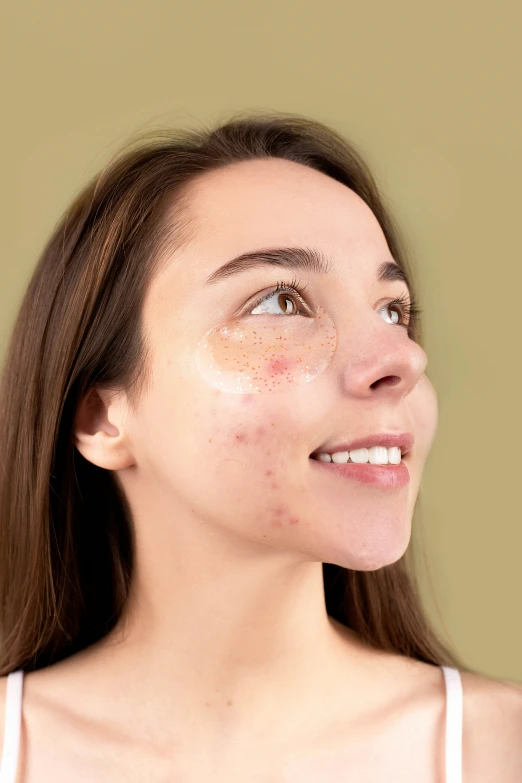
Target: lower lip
[(374, 475)]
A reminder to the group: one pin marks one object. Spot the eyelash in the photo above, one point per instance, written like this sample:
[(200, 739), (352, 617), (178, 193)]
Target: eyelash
[(410, 310), (295, 286)]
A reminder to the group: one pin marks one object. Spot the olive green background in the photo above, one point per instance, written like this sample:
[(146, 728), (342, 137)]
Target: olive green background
[(430, 94)]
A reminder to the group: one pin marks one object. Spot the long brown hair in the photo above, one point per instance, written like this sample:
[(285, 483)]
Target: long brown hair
[(66, 537)]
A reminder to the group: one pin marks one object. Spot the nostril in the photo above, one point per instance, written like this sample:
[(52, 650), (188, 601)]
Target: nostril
[(389, 380)]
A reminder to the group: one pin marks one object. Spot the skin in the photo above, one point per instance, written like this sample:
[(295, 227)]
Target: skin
[(226, 645)]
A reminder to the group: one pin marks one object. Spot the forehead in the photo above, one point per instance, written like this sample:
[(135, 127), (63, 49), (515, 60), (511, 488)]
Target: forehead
[(278, 202), (267, 203)]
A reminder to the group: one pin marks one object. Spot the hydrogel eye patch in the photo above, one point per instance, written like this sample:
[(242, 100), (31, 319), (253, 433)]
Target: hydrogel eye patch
[(250, 357)]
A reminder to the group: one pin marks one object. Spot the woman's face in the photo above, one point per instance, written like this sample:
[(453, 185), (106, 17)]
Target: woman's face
[(243, 393)]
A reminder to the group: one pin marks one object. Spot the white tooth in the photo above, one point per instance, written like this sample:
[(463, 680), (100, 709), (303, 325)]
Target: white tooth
[(359, 455), (340, 457), (394, 455), (323, 457), (378, 455)]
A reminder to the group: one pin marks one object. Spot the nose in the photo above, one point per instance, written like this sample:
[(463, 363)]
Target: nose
[(381, 361)]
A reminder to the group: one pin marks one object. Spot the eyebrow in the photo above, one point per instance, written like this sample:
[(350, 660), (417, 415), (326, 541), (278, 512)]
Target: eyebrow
[(304, 258)]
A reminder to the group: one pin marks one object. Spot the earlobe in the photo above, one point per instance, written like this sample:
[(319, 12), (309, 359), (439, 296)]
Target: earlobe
[(98, 439)]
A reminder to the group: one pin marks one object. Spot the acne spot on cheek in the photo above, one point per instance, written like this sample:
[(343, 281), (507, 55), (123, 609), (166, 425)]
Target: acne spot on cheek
[(274, 484), (240, 436), (280, 517)]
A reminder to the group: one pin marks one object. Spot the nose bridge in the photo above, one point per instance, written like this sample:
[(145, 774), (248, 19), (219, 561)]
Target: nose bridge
[(377, 357)]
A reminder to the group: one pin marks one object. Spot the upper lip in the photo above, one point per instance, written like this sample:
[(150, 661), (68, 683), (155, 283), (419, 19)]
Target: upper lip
[(404, 440)]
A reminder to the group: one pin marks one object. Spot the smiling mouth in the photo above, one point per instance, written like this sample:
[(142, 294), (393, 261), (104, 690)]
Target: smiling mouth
[(373, 471), (375, 455), (377, 448)]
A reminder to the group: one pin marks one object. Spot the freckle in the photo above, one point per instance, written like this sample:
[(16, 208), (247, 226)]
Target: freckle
[(210, 440), (229, 702)]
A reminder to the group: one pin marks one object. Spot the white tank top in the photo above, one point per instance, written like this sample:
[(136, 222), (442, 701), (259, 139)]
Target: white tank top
[(454, 705)]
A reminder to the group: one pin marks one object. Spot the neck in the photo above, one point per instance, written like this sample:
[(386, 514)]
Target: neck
[(226, 638)]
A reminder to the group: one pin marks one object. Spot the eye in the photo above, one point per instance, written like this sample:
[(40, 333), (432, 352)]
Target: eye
[(286, 296), (404, 311), (395, 316)]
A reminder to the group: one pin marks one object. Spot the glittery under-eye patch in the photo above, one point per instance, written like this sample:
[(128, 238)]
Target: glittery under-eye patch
[(250, 357)]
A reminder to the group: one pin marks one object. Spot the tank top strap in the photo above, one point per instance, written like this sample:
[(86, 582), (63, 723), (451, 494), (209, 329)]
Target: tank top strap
[(13, 725), (453, 739), (454, 713)]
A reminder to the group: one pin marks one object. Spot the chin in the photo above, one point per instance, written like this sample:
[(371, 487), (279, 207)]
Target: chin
[(382, 561), (380, 551)]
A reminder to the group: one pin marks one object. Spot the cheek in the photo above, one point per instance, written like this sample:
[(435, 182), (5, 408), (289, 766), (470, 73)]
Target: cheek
[(247, 445), (243, 431), (255, 357)]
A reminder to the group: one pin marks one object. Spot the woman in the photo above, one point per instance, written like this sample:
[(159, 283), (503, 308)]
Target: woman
[(215, 418)]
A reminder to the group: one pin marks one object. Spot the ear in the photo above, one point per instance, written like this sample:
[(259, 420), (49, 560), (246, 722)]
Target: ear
[(99, 435)]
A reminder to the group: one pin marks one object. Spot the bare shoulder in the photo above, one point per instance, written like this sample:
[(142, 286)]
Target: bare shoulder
[(492, 729)]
